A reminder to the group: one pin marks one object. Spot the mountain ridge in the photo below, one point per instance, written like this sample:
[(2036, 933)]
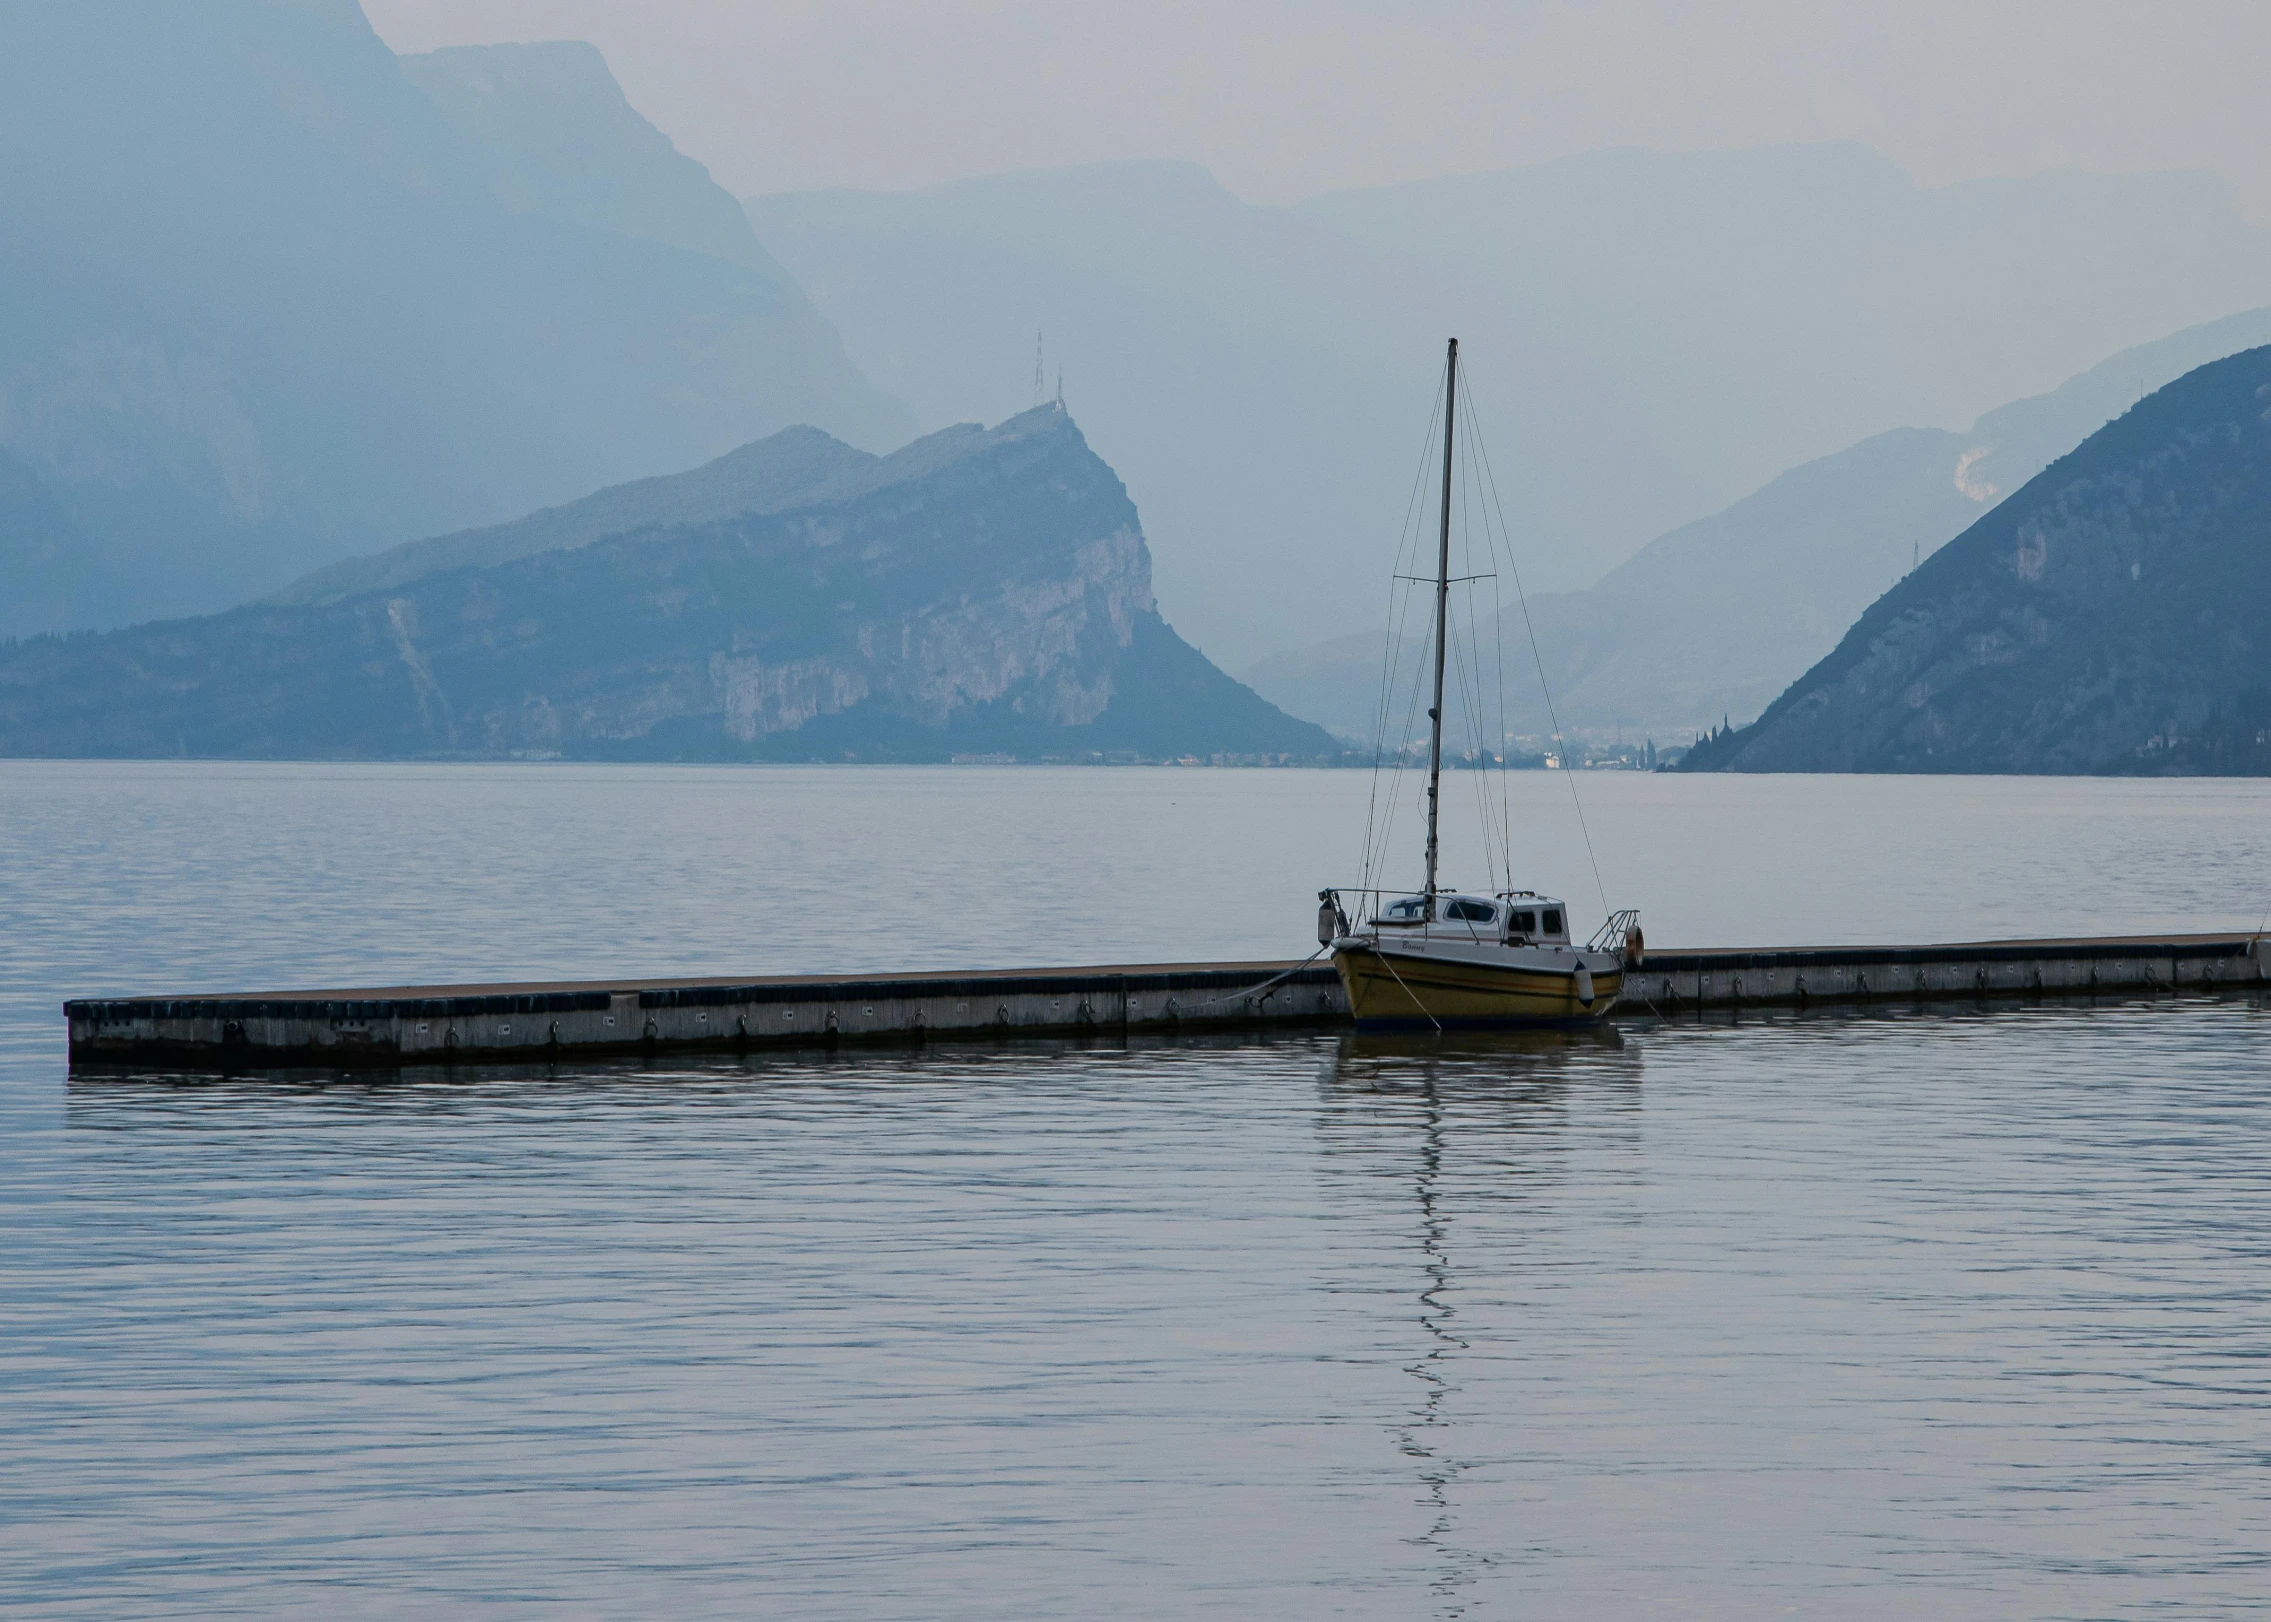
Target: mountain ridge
[(1717, 617), (1651, 337), (2112, 615), (562, 142), (981, 591), (760, 477), (266, 309)]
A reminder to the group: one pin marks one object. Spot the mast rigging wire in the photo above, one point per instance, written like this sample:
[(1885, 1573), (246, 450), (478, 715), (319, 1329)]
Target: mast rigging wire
[(1544, 687), (1470, 682), (1478, 493)]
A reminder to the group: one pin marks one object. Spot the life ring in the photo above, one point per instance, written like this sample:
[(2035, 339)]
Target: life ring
[(1635, 946)]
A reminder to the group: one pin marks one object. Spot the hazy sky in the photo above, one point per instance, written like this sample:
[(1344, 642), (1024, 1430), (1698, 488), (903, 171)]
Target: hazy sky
[(1282, 100)]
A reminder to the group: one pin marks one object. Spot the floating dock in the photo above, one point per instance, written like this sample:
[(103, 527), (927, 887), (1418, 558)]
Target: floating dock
[(448, 1024), (1668, 983), (423, 1025)]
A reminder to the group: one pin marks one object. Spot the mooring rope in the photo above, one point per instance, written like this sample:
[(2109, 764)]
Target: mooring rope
[(1256, 991), (1413, 995)]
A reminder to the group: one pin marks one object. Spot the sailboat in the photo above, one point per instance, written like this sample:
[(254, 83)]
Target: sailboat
[(1444, 958)]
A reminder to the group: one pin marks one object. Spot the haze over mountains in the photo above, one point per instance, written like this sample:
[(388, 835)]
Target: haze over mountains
[(293, 319), (1716, 618), (793, 467), (557, 140), (978, 591), (2113, 614), (1650, 336), (268, 303)]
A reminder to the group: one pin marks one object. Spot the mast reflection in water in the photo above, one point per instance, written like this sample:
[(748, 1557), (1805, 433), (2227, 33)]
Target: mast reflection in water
[(1288, 1328), (1509, 1084)]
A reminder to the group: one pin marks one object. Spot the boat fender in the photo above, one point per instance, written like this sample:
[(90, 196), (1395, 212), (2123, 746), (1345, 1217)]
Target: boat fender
[(1332, 923), (1635, 945), (1584, 985)]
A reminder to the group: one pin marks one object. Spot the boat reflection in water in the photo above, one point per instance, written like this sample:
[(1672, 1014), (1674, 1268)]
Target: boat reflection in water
[(1487, 1115)]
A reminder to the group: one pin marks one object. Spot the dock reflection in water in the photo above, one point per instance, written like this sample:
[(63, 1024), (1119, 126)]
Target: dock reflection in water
[(1960, 1315), (1955, 1314)]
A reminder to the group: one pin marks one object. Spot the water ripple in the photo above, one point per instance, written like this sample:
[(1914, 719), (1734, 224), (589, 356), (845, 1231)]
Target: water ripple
[(1961, 1315)]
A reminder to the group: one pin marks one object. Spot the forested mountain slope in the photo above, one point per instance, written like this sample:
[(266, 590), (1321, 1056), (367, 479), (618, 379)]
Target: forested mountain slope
[(2112, 615)]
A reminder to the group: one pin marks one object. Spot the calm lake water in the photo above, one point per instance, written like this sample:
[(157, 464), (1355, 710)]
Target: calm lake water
[(1965, 1314)]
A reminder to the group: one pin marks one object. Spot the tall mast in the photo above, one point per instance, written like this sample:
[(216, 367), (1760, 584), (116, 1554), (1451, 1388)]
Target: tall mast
[(1442, 615)]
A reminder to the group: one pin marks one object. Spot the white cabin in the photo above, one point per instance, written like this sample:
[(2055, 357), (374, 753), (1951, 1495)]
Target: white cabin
[(1514, 917)]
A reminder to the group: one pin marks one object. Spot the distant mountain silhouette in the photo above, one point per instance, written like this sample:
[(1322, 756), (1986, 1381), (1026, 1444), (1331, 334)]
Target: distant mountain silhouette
[(559, 142), (978, 591), (2111, 615), (1719, 616), (1650, 337), (794, 467), (45, 562), (268, 302)]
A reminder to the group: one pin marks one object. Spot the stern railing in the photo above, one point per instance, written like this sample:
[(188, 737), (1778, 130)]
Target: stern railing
[(1613, 935)]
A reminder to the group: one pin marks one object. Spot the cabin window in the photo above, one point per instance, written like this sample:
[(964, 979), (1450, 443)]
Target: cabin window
[(1525, 923), (1553, 920), (1411, 906), (1472, 912)]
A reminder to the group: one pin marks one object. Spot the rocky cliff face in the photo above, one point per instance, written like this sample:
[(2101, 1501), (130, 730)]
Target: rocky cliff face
[(2112, 615), (979, 591), (1650, 336)]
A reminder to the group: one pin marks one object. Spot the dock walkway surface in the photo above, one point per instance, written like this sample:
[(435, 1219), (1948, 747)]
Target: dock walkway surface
[(418, 1025)]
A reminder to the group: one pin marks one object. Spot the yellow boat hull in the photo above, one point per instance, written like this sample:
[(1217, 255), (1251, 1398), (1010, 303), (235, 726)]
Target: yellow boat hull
[(1399, 992)]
